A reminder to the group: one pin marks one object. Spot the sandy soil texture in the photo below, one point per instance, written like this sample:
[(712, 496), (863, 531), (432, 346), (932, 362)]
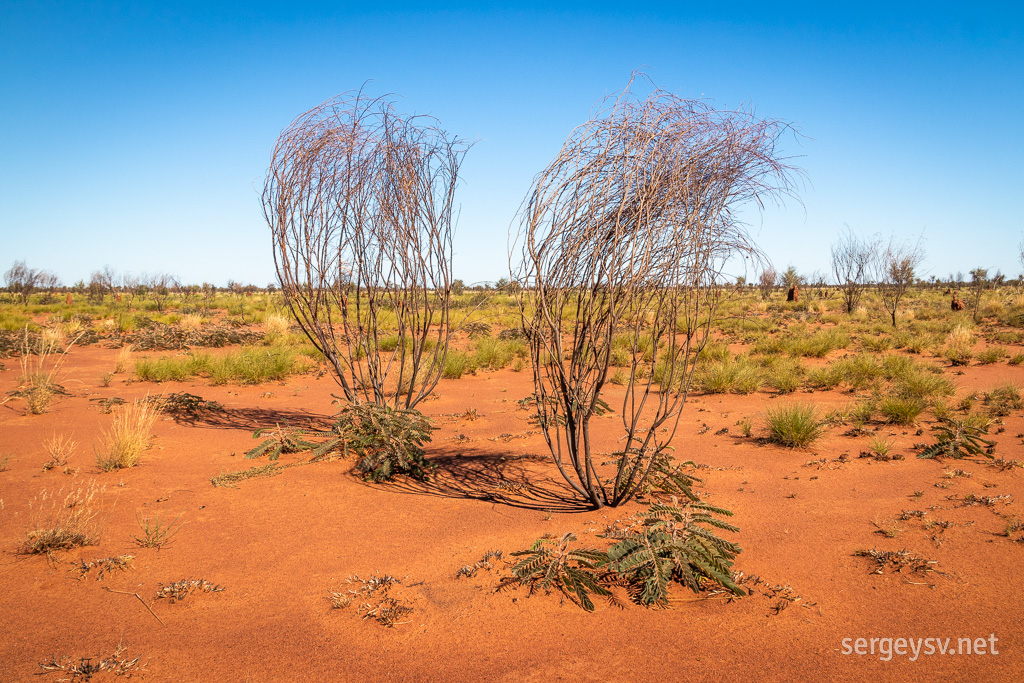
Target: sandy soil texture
[(279, 545)]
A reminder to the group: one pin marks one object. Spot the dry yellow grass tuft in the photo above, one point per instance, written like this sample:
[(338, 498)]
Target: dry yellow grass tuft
[(124, 358), (128, 437), (62, 521), (59, 448)]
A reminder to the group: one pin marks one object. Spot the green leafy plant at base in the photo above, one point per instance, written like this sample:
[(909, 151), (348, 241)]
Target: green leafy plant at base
[(665, 476), (958, 439), (669, 543), (281, 439), (388, 441), (550, 563)]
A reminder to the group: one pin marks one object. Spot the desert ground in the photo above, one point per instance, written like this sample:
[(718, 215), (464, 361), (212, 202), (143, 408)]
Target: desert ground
[(268, 577)]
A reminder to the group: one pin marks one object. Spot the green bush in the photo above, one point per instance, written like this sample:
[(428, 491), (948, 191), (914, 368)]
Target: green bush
[(176, 369), (495, 354), (992, 354), (670, 543), (795, 425)]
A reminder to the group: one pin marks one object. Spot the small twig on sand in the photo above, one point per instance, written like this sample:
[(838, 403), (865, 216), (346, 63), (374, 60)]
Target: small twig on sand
[(111, 590)]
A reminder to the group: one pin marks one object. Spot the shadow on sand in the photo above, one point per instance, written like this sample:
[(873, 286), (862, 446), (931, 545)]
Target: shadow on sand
[(514, 480), (522, 481)]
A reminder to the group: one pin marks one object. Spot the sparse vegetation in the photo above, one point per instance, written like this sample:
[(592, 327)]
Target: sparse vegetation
[(374, 599), (85, 668), (179, 590), (231, 479), (155, 531), (896, 561), (59, 448), (105, 566)]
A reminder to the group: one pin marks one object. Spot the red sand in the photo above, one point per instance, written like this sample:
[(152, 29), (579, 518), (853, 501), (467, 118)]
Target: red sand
[(279, 544)]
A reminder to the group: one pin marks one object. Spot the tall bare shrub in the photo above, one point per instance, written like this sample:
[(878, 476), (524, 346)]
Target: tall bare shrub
[(359, 200), (626, 233)]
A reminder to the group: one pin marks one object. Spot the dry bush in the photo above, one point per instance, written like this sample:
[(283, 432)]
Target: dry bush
[(40, 364), (61, 521), (155, 530), (626, 232), (128, 438), (360, 200), (276, 325), (84, 668), (124, 359), (179, 590), (59, 448)]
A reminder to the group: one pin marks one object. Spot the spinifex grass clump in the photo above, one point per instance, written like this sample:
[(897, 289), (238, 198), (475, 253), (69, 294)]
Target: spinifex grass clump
[(388, 441), (670, 543), (128, 437), (795, 426), (62, 521)]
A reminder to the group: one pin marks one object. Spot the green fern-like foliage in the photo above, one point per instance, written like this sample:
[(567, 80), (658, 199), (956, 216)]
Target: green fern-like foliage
[(958, 439), (673, 543), (666, 477), (389, 441), (280, 440), (551, 563)]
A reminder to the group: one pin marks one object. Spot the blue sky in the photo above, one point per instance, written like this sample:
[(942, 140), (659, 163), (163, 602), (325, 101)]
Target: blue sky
[(137, 135)]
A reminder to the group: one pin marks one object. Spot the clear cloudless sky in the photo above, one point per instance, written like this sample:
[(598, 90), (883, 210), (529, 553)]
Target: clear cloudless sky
[(137, 134)]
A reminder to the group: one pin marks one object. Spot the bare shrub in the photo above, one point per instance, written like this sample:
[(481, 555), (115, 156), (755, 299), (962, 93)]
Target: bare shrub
[(627, 232), (59, 448), (895, 269), (359, 200), (852, 258)]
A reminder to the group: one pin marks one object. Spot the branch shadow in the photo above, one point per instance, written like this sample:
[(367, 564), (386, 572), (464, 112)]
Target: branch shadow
[(512, 480), (465, 473), (251, 419)]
